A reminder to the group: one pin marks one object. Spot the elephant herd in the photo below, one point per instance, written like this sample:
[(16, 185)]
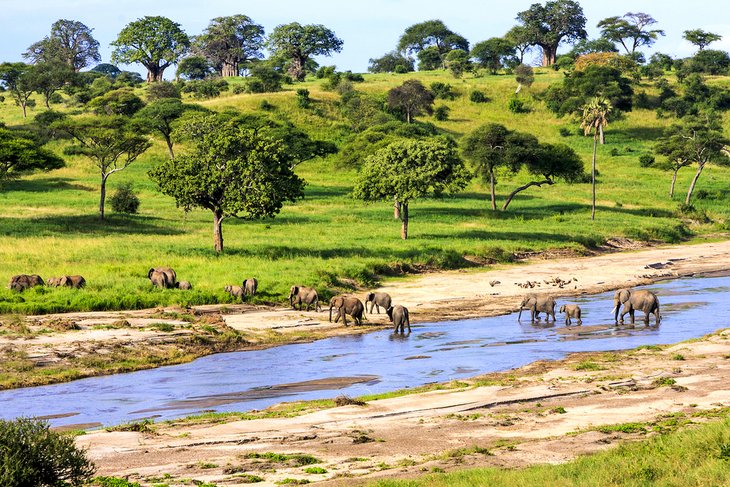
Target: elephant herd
[(21, 282), (631, 299)]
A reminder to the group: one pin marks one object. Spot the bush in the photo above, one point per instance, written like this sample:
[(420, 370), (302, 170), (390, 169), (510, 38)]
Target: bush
[(32, 455), (515, 105), (163, 89), (565, 132), (303, 99), (205, 88), (442, 90), (239, 89), (477, 96), (125, 200), (441, 113), (401, 69), (646, 160), (266, 106)]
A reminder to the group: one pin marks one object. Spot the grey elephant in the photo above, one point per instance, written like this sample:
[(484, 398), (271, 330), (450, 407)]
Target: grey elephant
[(21, 282), (304, 296), (162, 277), (235, 291), (53, 281), (184, 285), (399, 316), (633, 300), (347, 305), (250, 286), (377, 300), (76, 282), (538, 304), (571, 311)]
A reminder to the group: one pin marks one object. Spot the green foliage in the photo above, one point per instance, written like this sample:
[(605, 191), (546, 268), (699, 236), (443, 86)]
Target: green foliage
[(359, 147), (411, 99), (17, 79), (494, 54), (477, 96), (114, 482), (206, 88), (31, 455), (160, 90), (442, 91), (297, 43), (435, 39), (701, 38), (264, 78), (524, 75), (70, 43), (709, 61), (303, 100), (631, 30), (580, 86), (124, 199), (392, 62), (550, 24), (299, 459), (117, 102), (515, 105), (194, 68), (441, 113), (646, 160), (231, 43), (20, 154), (457, 61), (315, 470)]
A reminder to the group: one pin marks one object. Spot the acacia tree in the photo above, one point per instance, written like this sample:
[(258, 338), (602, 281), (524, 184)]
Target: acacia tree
[(296, 44), (631, 30), (233, 171), (159, 116), (17, 79), (524, 75), (430, 41), (412, 98), (20, 155), (391, 62), (673, 146), (47, 78), (486, 148), (519, 37), (410, 169), (154, 42), (230, 43), (701, 38), (549, 25), (70, 42), (494, 54), (595, 118), (110, 142)]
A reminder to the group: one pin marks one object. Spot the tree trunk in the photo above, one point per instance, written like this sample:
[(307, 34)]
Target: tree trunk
[(102, 198), (396, 209), (24, 106), (674, 180), (692, 184), (593, 175), (404, 219), (229, 68), (601, 134), (491, 188), (168, 141), (524, 187), (218, 231), (154, 73), (47, 99), (548, 55)]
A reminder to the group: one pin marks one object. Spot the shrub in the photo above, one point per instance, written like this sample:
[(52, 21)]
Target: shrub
[(646, 160), (125, 200), (477, 96), (565, 132), (515, 105), (401, 69), (442, 90), (32, 455), (163, 89), (441, 113), (615, 152), (266, 106), (239, 89), (303, 99), (206, 88)]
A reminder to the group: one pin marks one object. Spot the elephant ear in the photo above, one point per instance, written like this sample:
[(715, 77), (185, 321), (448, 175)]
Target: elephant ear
[(294, 290), (149, 273), (63, 281)]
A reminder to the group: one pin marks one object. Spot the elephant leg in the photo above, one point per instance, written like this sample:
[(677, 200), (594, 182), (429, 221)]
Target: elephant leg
[(567, 320), (631, 314), (646, 317), (344, 317), (656, 316)]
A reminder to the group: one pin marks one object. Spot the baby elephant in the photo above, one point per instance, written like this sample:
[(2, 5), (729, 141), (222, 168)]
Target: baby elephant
[(347, 305), (76, 282), (162, 277), (377, 300), (235, 291), (399, 316), (250, 286), (184, 285), (22, 282), (571, 311)]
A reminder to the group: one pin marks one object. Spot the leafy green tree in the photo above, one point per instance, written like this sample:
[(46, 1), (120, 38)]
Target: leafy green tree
[(360, 146), (433, 35), (297, 43), (70, 43), (108, 70), (231, 170), (551, 24), (411, 98), (47, 78), (486, 148), (632, 30), (264, 78), (679, 154), (520, 39), (117, 102), (159, 117), (154, 42), (34, 456), (710, 61), (406, 170), (392, 62), (595, 118), (701, 38), (494, 54), (524, 75), (17, 78), (160, 90), (21, 154), (110, 142), (458, 62), (231, 43), (589, 46), (193, 67), (579, 87)]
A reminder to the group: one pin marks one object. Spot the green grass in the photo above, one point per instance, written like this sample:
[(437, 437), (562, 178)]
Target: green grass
[(49, 226), (696, 456)]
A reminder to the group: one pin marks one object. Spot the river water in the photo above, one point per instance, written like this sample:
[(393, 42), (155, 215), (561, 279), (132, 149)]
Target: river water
[(371, 363)]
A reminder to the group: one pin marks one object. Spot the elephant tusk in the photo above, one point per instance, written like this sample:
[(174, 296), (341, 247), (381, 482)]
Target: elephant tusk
[(613, 311)]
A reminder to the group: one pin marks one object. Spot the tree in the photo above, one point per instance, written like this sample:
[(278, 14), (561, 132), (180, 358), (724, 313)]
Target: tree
[(108, 70), (431, 34), (457, 61), (47, 78), (412, 98), (631, 30), (674, 147), (159, 116), (110, 142), (595, 118), (494, 54), (579, 87), (550, 161), (35, 456), (701, 38), (70, 43), (392, 62), (193, 67), (231, 43), (549, 25), (21, 154), (485, 148), (154, 42), (17, 78), (524, 75), (297, 43), (117, 102), (519, 36), (233, 171), (410, 169)]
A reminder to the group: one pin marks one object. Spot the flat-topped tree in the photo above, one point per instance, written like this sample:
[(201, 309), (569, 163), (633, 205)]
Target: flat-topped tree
[(551, 24), (410, 169), (701, 38), (632, 30), (230, 43), (20, 154), (17, 79), (154, 42), (70, 43), (296, 44)]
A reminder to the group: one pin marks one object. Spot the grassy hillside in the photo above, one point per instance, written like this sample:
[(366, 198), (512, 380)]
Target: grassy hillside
[(49, 222)]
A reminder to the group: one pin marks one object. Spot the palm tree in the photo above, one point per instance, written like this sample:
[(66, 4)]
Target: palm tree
[(595, 117)]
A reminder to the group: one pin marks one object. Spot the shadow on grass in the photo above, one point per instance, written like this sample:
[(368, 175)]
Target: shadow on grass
[(640, 133), (47, 185), (85, 224)]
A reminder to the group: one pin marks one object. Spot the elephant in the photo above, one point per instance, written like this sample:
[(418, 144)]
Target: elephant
[(235, 291), (399, 316), (162, 277), (21, 282), (53, 281), (76, 282), (304, 296), (250, 286), (377, 300), (184, 285), (571, 311), (633, 300), (538, 304), (347, 305)]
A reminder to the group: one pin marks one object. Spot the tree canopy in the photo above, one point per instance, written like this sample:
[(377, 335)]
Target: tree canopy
[(70, 43), (21, 154), (494, 54), (296, 44), (154, 42), (631, 30), (392, 62), (433, 39), (551, 24), (230, 43), (17, 78), (701, 38), (411, 99)]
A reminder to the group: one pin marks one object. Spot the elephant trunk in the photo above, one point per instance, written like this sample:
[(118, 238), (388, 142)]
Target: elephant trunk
[(291, 300), (615, 310), (330, 312), (519, 316)]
